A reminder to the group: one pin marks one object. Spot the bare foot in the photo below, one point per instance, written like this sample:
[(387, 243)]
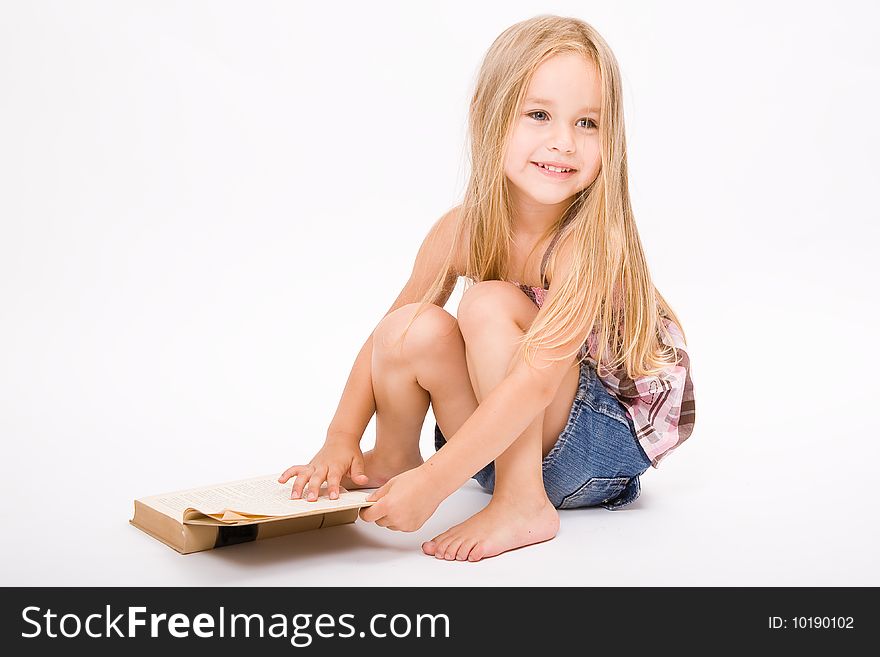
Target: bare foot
[(503, 525), (379, 469)]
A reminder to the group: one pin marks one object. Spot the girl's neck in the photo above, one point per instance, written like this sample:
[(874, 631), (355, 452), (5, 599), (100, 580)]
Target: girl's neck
[(531, 220)]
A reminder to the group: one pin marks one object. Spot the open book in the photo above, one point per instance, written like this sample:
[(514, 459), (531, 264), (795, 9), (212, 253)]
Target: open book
[(239, 511)]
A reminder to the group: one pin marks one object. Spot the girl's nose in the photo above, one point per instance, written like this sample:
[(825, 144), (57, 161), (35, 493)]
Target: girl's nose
[(563, 141)]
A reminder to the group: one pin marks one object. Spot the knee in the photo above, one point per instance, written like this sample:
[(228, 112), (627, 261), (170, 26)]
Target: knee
[(482, 304), (432, 326)]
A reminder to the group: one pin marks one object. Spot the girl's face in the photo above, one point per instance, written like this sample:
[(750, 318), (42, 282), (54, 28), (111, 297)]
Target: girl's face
[(557, 124)]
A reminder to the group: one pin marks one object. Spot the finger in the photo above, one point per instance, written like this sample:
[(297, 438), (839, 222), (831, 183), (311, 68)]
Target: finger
[(301, 478), (377, 494), (299, 482), (372, 513), (290, 472), (315, 482), (333, 479), (358, 473)]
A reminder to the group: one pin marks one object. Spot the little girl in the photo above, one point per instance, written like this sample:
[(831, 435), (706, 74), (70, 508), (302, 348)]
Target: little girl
[(558, 382)]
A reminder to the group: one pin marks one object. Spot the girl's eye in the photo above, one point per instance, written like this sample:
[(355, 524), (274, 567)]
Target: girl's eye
[(592, 124)]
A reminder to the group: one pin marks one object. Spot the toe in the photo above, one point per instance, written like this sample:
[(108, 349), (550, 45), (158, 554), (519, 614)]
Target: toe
[(476, 552), (441, 548), (433, 546), (452, 550), (465, 549)]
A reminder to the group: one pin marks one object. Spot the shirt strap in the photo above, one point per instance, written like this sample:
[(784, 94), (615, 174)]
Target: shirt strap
[(550, 248)]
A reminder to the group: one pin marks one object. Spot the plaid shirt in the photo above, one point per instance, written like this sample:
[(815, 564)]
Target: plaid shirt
[(661, 407)]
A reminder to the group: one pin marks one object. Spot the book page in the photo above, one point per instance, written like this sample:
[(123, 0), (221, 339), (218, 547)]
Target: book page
[(258, 496)]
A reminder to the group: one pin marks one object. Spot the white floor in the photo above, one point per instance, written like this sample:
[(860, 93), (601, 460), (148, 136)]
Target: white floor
[(770, 517)]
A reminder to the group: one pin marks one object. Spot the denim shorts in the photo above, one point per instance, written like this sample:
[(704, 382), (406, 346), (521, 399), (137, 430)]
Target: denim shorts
[(596, 461)]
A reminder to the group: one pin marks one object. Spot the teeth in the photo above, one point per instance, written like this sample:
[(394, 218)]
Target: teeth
[(551, 168)]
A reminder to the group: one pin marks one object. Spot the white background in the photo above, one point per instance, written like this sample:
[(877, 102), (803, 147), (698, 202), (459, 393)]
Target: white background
[(206, 207)]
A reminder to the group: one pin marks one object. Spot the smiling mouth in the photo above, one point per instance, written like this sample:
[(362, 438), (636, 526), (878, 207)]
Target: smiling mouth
[(553, 173), (547, 166)]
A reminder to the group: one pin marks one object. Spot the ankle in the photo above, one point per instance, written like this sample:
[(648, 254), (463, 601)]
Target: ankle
[(395, 458), (528, 501)]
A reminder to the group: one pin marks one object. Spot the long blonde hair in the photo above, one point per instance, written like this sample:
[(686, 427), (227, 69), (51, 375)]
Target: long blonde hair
[(608, 284)]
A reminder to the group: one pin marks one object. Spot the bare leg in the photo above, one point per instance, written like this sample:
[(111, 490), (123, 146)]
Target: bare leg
[(521, 462), (519, 513), (427, 367)]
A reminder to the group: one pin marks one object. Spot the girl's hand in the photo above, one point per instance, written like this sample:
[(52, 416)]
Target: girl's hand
[(404, 503), (336, 460)]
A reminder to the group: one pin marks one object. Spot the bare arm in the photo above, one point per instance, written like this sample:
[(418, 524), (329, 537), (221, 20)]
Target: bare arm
[(358, 404)]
